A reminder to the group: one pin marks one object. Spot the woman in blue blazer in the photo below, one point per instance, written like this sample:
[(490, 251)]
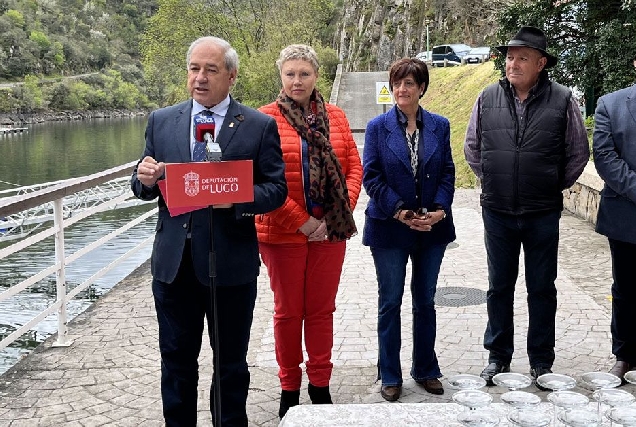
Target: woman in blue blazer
[(409, 176)]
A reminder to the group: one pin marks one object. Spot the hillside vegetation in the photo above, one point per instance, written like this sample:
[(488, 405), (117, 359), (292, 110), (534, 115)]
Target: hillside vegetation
[(452, 93)]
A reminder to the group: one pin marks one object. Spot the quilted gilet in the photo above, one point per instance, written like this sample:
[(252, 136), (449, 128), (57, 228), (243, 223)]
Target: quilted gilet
[(281, 225)]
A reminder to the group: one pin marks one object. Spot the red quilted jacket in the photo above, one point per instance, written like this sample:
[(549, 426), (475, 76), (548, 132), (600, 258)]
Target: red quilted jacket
[(281, 225)]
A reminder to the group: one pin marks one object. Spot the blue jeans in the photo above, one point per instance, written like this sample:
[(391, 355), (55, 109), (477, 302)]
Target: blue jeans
[(390, 267), (504, 235)]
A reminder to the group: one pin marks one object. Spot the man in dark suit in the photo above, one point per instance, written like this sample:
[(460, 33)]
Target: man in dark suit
[(615, 160), (180, 254)]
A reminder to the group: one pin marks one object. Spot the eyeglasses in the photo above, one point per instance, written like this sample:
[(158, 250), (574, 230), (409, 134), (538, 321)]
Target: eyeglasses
[(421, 212)]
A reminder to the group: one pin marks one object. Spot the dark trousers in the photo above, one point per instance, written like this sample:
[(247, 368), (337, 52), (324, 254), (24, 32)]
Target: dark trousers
[(623, 297), (504, 235), (181, 308)]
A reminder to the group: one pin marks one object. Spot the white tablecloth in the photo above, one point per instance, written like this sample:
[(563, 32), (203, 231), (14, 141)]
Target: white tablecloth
[(392, 414)]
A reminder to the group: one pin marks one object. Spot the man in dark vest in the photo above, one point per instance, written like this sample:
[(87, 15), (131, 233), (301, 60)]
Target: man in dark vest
[(526, 142)]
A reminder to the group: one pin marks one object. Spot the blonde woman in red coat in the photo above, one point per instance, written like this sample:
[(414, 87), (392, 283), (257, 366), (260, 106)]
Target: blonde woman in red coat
[(303, 242)]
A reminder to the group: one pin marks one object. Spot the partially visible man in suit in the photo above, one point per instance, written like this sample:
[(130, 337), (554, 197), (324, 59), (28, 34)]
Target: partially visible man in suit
[(180, 272), (615, 159)]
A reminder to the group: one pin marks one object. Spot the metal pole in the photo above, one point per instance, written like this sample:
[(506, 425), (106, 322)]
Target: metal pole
[(427, 47), (217, 353), (60, 274)]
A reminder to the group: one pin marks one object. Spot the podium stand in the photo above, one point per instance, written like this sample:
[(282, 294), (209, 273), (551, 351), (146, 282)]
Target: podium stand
[(197, 185)]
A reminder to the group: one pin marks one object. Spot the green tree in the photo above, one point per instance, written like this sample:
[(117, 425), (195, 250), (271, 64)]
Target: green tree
[(16, 17), (255, 29), (58, 97), (7, 103), (40, 39), (33, 91), (595, 41), (164, 45)]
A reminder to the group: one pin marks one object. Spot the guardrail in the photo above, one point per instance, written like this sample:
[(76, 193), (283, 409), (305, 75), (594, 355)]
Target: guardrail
[(55, 194)]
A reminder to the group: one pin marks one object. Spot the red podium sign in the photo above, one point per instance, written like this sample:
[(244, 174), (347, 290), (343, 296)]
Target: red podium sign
[(191, 186)]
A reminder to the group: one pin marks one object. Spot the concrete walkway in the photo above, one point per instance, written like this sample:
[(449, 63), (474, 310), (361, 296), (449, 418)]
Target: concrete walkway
[(110, 375)]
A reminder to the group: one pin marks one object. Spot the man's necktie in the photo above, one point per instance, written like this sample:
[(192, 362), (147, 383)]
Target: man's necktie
[(199, 153)]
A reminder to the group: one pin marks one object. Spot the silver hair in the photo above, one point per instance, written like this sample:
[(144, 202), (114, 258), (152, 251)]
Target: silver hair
[(231, 57), (298, 51)]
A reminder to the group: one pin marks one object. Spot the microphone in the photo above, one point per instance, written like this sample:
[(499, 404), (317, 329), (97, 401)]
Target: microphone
[(204, 133), (203, 125)]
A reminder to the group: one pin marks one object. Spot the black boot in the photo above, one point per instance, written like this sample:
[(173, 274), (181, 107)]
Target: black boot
[(319, 395), (288, 398)]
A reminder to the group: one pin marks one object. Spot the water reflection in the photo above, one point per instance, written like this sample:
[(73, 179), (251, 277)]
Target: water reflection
[(58, 150)]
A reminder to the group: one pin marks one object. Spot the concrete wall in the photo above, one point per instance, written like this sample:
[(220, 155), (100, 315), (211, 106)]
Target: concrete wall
[(583, 197)]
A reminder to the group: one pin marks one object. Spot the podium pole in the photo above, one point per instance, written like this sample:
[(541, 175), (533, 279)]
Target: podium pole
[(216, 354)]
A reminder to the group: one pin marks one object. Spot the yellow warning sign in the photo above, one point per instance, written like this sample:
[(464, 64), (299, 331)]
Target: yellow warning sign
[(383, 94)]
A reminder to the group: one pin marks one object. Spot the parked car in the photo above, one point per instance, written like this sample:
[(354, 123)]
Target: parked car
[(452, 53), (424, 56), (477, 55)]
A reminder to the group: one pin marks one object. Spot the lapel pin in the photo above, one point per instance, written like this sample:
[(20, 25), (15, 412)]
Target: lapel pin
[(240, 117), (231, 124)]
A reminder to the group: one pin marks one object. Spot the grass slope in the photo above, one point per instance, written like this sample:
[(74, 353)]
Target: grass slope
[(452, 93)]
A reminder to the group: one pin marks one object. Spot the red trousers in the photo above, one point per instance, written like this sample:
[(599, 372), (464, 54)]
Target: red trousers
[(304, 279)]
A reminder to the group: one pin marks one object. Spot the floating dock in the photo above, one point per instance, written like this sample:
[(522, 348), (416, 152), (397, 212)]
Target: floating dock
[(9, 130)]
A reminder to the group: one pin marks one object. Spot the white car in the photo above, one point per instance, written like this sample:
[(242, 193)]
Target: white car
[(424, 56), (477, 55)]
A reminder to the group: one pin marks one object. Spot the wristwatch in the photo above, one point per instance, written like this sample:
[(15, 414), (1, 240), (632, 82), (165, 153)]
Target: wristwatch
[(439, 207)]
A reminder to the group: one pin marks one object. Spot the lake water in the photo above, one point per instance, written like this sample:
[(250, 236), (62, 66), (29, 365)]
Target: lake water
[(51, 152)]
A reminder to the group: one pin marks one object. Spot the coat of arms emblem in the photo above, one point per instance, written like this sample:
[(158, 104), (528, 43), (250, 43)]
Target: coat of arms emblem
[(191, 181)]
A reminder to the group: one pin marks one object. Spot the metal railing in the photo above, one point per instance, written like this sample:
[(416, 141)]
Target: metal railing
[(20, 224), (56, 199)]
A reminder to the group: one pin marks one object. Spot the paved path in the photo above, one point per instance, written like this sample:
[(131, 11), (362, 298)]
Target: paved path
[(110, 375)]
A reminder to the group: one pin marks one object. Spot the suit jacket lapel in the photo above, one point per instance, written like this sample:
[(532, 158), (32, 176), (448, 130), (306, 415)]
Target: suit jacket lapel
[(182, 131), (396, 139), (233, 120), (429, 142), (631, 102)]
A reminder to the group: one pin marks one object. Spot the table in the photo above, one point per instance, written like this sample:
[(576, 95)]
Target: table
[(392, 414)]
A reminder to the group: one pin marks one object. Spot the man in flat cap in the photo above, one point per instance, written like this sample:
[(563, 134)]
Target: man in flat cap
[(526, 142)]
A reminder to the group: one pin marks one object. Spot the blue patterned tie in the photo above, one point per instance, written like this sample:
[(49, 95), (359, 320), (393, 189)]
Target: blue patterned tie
[(199, 153)]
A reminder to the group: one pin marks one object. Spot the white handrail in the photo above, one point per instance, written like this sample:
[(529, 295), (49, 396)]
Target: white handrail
[(63, 296)]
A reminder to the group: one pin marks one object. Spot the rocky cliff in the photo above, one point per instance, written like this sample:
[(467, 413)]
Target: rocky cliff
[(371, 35)]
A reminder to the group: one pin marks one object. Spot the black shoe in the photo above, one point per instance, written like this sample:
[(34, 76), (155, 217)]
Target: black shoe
[(319, 395), (493, 369), (619, 369), (536, 372), (288, 398)]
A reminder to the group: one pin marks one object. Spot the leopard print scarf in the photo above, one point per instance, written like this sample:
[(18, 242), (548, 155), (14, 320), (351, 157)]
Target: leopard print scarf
[(327, 184)]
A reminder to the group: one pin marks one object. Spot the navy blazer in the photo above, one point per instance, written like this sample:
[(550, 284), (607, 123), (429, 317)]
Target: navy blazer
[(388, 180), (615, 160), (246, 135)]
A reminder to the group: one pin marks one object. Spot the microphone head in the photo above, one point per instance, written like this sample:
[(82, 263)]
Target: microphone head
[(202, 125)]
